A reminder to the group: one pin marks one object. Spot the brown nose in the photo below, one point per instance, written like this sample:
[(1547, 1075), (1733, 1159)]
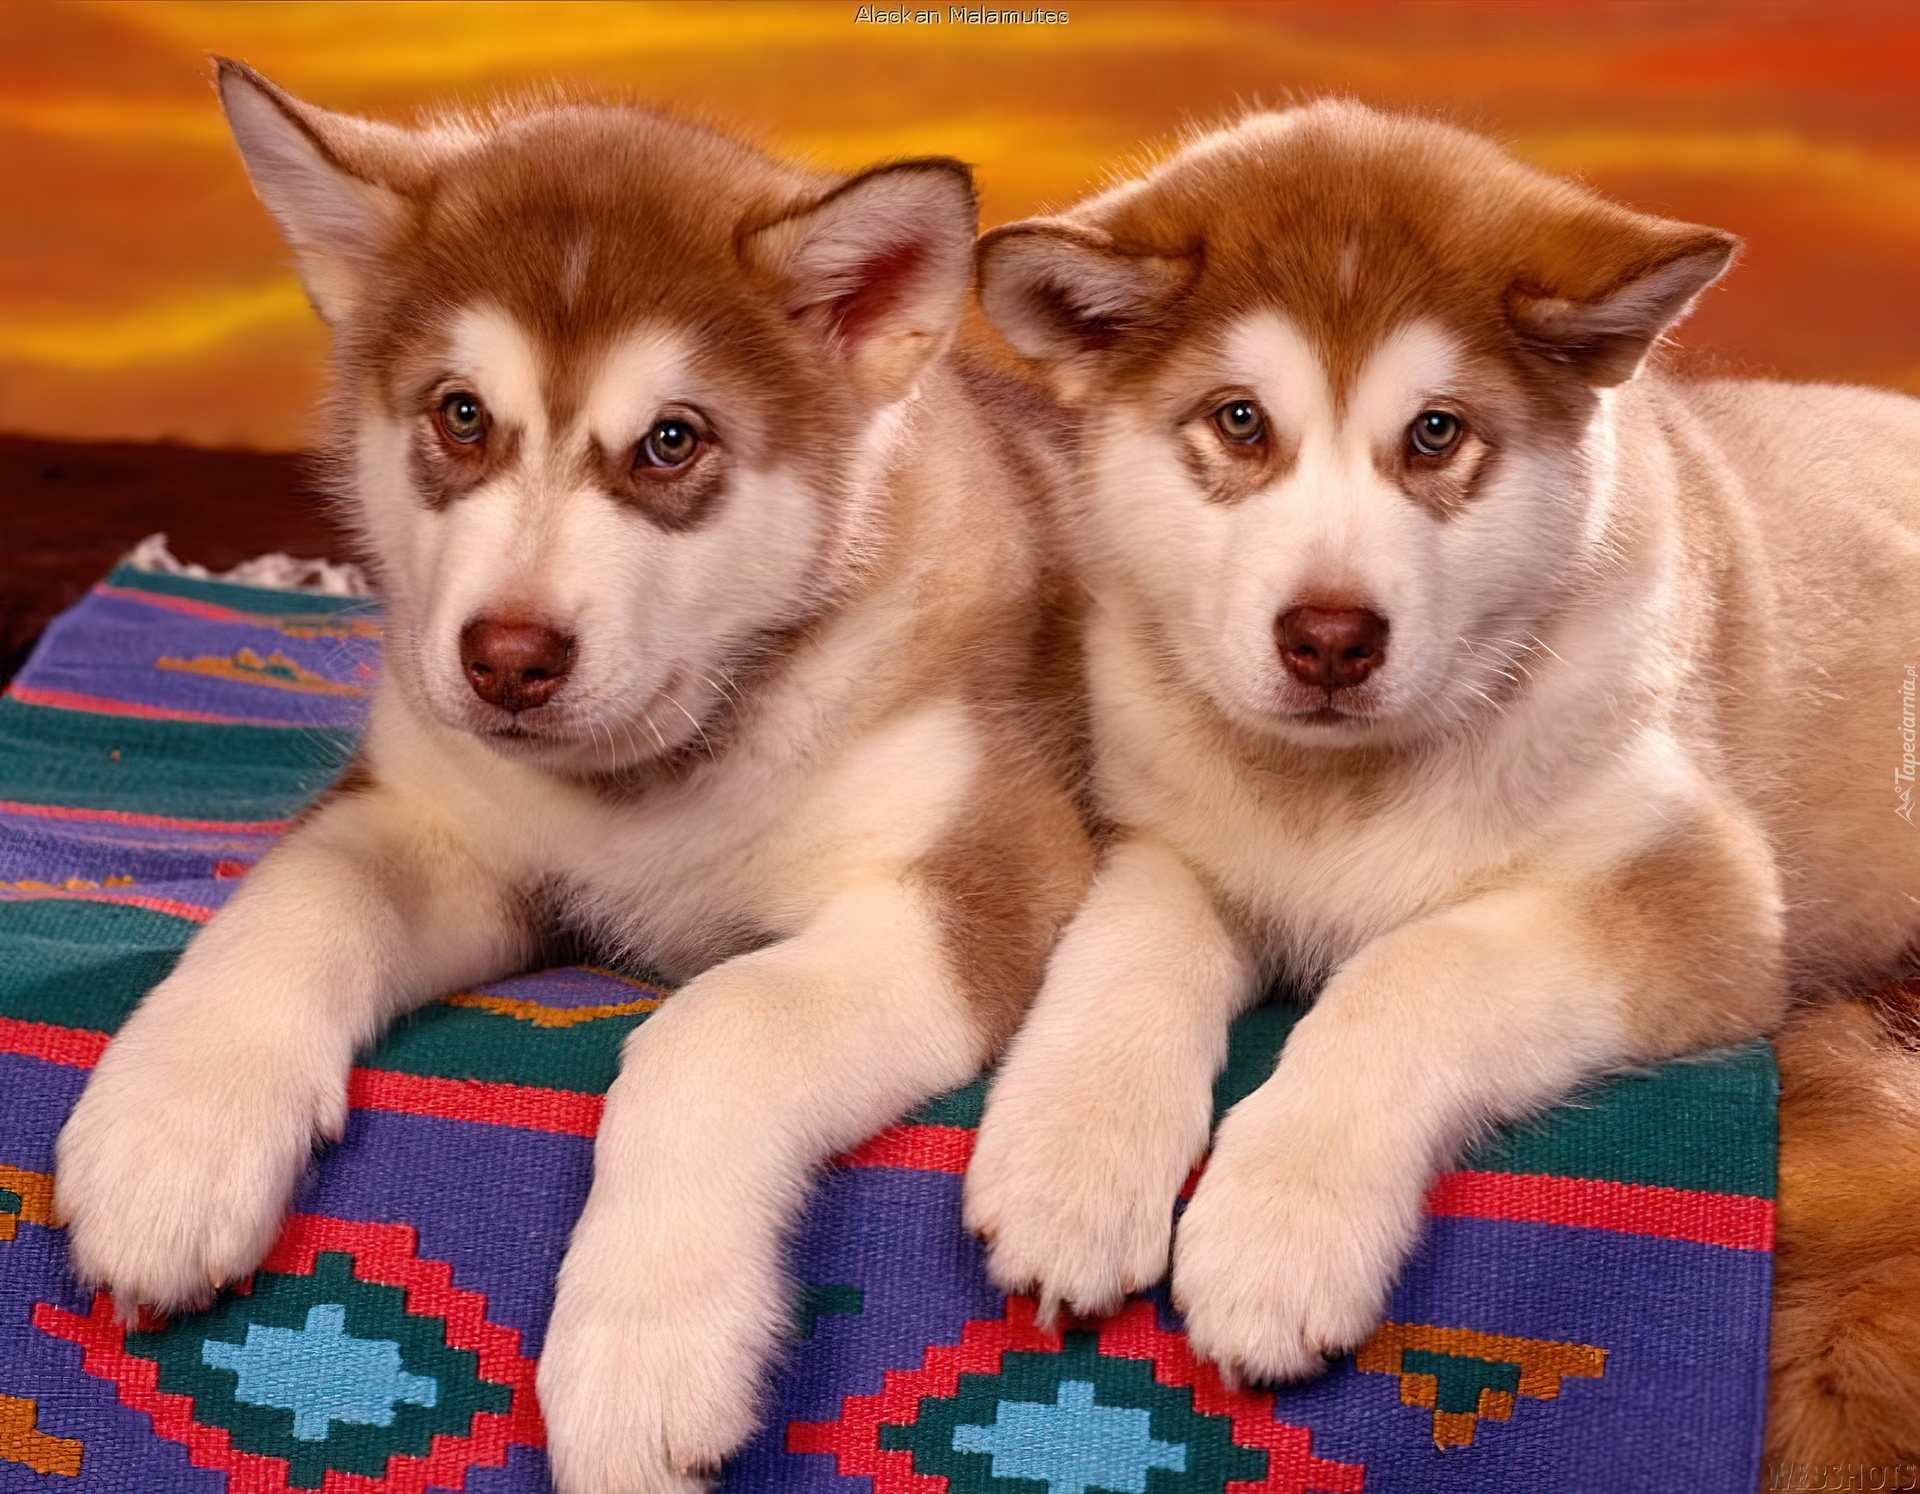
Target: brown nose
[(513, 664), (1332, 646)]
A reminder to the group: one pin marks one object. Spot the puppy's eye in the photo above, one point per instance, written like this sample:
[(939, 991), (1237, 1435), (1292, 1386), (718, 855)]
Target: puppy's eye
[(1434, 433), (463, 418), (670, 444), (1240, 421)]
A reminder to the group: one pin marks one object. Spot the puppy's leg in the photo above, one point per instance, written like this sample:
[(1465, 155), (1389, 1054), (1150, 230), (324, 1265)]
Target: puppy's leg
[(1477, 1015), (673, 1297), (175, 1169), (1103, 1103)]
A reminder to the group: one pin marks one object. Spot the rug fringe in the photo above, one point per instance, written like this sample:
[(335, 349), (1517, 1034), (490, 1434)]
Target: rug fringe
[(279, 572)]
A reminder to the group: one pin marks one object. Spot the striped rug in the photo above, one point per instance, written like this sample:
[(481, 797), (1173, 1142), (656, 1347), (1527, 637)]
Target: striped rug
[(1587, 1309)]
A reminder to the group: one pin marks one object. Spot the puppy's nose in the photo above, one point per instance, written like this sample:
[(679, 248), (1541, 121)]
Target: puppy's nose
[(514, 664), (1332, 646)]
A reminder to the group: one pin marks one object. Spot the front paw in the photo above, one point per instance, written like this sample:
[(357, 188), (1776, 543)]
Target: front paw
[(174, 1172), (1287, 1254), (1073, 1196), (651, 1371)]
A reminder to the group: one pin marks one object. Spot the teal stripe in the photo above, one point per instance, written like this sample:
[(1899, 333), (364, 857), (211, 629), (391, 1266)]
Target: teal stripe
[(457, 1042), (81, 964), (1708, 1123), (81, 760), (258, 599)]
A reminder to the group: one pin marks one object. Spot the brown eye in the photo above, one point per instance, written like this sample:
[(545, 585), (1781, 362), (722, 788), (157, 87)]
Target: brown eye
[(670, 444), (463, 418), (1241, 421), (1434, 433)]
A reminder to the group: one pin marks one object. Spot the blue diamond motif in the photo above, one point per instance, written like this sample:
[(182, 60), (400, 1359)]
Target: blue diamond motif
[(1073, 1445), (321, 1373)]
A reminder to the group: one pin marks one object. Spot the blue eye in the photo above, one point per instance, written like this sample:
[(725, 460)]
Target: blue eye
[(1434, 433)]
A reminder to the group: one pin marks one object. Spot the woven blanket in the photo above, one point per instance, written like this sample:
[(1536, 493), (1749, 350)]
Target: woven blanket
[(1587, 1310)]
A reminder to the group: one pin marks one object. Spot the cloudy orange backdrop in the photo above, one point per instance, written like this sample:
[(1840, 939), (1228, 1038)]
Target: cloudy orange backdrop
[(143, 293)]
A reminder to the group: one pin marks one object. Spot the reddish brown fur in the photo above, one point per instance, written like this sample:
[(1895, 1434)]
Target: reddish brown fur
[(1688, 926), (522, 201), (1434, 224), (1847, 1253)]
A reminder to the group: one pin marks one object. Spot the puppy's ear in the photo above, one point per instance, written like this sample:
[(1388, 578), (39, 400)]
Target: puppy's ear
[(880, 266), (1606, 283), (1063, 294), (328, 179)]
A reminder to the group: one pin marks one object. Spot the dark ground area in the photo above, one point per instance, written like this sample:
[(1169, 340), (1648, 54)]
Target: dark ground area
[(69, 511)]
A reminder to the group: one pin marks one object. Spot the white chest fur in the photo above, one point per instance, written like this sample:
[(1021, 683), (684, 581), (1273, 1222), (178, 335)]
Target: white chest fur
[(1317, 861)]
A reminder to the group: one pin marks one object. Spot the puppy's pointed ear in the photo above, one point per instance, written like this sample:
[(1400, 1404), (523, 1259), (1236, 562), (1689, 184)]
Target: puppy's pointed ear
[(880, 266), (326, 178), (1606, 284), (1063, 294)]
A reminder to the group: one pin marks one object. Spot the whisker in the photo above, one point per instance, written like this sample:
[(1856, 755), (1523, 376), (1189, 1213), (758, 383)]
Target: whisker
[(674, 701)]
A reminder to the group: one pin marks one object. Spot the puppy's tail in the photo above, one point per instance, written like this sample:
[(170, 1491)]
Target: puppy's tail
[(1846, 1313)]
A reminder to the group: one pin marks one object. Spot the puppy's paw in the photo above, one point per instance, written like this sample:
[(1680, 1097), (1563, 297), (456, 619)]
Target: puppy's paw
[(174, 1171), (652, 1366), (1282, 1264), (1073, 1195)]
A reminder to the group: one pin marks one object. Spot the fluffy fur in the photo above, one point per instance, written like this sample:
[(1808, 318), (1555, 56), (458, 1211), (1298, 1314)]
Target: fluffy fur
[(788, 738), (1846, 1377), (1624, 777)]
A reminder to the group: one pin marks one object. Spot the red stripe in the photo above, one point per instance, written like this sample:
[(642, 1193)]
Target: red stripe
[(173, 907), (568, 1111), (186, 606), (66, 700), (564, 1110), (76, 1047), (208, 611), (918, 1148), (192, 912), (1735, 1221), (142, 821)]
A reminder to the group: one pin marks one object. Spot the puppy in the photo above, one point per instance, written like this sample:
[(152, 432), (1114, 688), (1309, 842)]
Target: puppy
[(1539, 708), (713, 595)]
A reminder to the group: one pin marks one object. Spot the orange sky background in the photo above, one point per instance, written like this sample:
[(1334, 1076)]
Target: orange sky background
[(144, 295)]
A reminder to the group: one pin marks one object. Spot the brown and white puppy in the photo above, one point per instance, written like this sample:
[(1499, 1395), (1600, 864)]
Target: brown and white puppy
[(713, 600), (1540, 708)]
